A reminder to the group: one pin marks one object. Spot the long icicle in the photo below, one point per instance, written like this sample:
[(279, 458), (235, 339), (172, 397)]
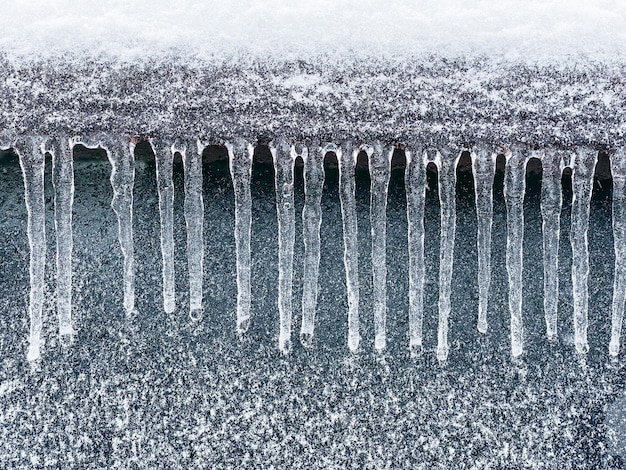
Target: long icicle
[(32, 162), (240, 155), (551, 206), (63, 182), (311, 222), (484, 169), (379, 163), (194, 221), (284, 158), (122, 181), (514, 189), (618, 173), (165, 186), (582, 183), (346, 156), (446, 162), (415, 184)]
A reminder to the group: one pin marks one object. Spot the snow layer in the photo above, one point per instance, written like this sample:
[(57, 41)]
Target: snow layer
[(532, 30)]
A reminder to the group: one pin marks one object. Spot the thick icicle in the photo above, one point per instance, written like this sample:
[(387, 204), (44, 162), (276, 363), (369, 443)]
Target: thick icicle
[(415, 184), (484, 168), (446, 163), (514, 188), (551, 205), (284, 158), (379, 164), (618, 171), (32, 163), (194, 220), (347, 161), (122, 161), (240, 157), (165, 186), (582, 183), (63, 182), (311, 222)]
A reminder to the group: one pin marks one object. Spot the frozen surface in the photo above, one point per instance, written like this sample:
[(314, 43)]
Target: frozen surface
[(159, 391), (537, 29)]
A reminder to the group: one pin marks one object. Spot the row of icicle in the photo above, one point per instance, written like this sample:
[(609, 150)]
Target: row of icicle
[(582, 163)]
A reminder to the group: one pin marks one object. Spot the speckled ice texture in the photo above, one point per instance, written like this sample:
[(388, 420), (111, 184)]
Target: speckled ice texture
[(157, 390)]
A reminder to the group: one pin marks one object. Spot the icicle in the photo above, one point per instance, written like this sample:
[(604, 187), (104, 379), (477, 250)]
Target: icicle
[(122, 181), (582, 182), (32, 163), (379, 163), (514, 188), (165, 186), (551, 205), (311, 222), (240, 157), (484, 168), (63, 182), (446, 163), (618, 171), (194, 220), (347, 161), (415, 184), (284, 158)]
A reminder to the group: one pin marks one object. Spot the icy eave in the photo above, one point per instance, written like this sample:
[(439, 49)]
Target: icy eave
[(424, 98)]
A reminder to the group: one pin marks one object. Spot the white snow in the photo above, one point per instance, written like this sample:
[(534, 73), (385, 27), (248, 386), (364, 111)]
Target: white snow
[(527, 30)]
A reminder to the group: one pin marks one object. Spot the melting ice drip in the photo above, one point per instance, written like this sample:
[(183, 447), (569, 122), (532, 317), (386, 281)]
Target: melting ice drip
[(121, 156)]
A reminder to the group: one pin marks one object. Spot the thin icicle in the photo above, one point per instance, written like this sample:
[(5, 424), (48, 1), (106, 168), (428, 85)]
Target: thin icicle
[(484, 169), (32, 162), (582, 183), (122, 161), (284, 158), (514, 188), (311, 222), (379, 164), (618, 171), (63, 182), (415, 184), (346, 157), (240, 157), (194, 220), (551, 205), (165, 187), (446, 163)]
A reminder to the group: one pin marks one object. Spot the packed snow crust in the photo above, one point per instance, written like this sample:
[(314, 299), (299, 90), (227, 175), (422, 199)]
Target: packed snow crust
[(543, 73)]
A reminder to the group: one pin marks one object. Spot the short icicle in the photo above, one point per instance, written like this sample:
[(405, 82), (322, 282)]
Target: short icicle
[(582, 183), (165, 186), (311, 222), (346, 156), (240, 155), (415, 184), (32, 162), (514, 189), (618, 172), (284, 157), (484, 168), (194, 221), (446, 160), (551, 206), (61, 150), (379, 164), (122, 161)]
